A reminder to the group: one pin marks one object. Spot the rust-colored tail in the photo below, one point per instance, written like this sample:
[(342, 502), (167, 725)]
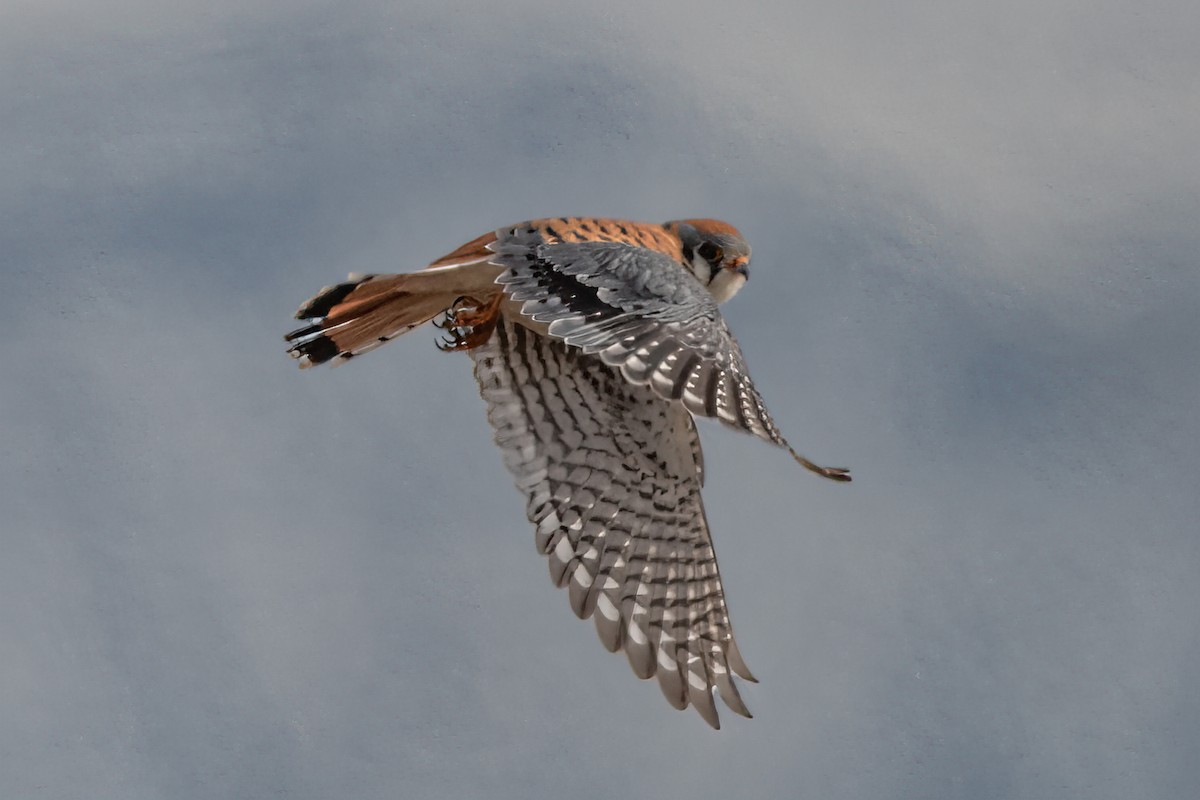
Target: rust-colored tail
[(355, 317)]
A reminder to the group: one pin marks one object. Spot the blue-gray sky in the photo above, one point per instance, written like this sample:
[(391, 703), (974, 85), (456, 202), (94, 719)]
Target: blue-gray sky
[(975, 282)]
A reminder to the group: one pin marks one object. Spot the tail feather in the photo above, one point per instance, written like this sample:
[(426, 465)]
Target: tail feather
[(355, 317)]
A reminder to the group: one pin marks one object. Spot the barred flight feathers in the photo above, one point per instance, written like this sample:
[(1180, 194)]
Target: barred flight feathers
[(612, 474)]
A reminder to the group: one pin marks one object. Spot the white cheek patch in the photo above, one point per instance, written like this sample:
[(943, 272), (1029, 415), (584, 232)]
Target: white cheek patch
[(701, 269), (725, 284)]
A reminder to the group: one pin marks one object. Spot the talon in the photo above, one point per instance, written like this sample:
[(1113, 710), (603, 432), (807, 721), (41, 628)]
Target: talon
[(468, 322)]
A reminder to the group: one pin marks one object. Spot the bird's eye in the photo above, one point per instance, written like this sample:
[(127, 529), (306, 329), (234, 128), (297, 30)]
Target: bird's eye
[(710, 252)]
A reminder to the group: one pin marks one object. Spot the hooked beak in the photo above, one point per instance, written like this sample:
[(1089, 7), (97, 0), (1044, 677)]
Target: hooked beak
[(741, 266)]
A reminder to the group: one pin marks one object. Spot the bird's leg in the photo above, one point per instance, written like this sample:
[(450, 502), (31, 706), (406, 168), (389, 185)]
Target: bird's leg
[(468, 323)]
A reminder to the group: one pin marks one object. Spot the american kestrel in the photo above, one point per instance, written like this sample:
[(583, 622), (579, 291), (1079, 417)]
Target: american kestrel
[(595, 342)]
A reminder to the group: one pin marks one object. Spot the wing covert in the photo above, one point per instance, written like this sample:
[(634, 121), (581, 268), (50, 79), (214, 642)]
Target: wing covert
[(644, 313)]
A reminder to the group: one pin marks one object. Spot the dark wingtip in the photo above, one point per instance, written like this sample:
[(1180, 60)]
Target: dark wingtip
[(841, 474)]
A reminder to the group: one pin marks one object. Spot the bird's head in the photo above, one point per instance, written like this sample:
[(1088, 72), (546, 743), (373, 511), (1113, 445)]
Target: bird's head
[(716, 253)]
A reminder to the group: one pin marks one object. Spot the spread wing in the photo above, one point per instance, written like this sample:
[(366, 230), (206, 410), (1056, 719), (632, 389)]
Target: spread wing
[(645, 314), (612, 475)]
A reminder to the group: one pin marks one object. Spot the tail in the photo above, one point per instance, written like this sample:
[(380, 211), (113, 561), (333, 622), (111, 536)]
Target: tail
[(355, 317)]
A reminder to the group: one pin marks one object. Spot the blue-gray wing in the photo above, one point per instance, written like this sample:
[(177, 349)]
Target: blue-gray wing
[(611, 473), (642, 312)]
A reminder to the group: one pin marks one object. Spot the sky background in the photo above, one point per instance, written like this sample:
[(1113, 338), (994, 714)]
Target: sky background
[(975, 282)]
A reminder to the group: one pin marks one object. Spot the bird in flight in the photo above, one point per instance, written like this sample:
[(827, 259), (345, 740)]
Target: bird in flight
[(596, 342)]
